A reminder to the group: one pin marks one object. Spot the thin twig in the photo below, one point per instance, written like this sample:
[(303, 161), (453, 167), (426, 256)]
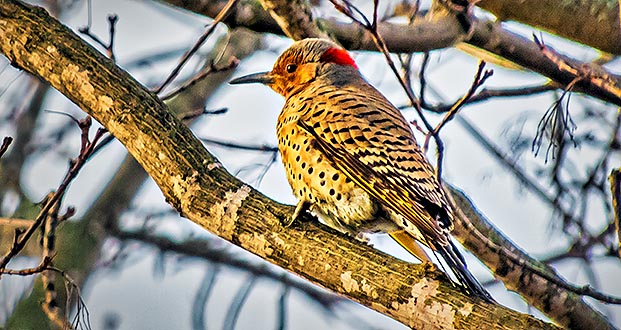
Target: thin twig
[(184, 59), (479, 79), (206, 71), (43, 265), (486, 94), (232, 315), (556, 121), (422, 78), (6, 142), (590, 72), (282, 308), (209, 250), (86, 149), (233, 145), (112, 20), (615, 189), (193, 114), (199, 305), (512, 165)]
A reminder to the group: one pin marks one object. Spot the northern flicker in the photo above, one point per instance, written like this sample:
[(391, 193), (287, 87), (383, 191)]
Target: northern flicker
[(351, 157)]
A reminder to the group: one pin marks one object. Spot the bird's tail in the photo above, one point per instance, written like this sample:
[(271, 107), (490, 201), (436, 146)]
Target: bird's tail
[(410, 244), (457, 264)]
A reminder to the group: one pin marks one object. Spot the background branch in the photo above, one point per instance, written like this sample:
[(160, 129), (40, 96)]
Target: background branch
[(209, 196), (421, 36)]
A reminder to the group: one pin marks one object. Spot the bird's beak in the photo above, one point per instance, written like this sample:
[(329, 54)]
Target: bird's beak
[(262, 77)]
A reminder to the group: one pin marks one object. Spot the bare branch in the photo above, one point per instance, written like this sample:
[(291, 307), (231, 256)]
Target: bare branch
[(86, 150), (234, 145), (210, 197), (206, 71), (425, 35), (6, 142), (479, 79), (294, 17), (43, 265), (615, 189), (112, 20), (519, 272), (211, 251), (486, 94), (222, 15), (593, 23)]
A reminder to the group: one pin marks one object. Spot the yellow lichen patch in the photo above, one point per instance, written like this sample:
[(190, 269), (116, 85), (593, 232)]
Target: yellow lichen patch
[(51, 50), (225, 212), (466, 309), (369, 289), (423, 314), (43, 67), (349, 284), (327, 267), (184, 188), (277, 240), (213, 166), (78, 81), (256, 243), (104, 103)]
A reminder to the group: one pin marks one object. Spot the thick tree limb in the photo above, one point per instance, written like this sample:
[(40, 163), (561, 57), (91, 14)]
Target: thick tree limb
[(480, 237), (299, 23), (593, 23), (539, 291), (79, 243), (422, 36), (200, 189)]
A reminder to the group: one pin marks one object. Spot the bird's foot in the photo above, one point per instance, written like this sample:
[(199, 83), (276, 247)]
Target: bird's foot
[(300, 209), (361, 237)]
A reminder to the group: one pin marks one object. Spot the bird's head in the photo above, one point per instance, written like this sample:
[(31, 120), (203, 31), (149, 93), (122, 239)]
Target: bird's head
[(300, 65)]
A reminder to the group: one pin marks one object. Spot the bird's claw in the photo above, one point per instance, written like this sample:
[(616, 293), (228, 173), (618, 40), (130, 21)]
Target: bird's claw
[(300, 209)]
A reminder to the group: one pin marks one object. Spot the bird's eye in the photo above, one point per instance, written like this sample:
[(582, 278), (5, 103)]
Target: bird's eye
[(291, 68)]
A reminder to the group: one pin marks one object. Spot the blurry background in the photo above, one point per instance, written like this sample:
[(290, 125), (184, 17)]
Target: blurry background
[(147, 268)]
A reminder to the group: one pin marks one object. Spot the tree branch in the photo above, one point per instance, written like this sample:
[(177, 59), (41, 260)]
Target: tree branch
[(615, 189), (421, 36), (93, 228), (593, 23), (294, 17), (201, 190), (507, 262)]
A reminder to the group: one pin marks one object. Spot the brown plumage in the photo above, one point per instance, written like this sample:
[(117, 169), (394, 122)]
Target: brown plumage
[(351, 157)]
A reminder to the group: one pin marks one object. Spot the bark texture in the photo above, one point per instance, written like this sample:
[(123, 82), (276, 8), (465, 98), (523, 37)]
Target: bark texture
[(201, 190), (594, 23)]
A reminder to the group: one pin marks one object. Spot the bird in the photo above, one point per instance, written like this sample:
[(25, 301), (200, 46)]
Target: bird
[(351, 158)]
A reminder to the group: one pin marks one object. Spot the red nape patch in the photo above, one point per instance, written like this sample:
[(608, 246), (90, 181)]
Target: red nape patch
[(338, 56)]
